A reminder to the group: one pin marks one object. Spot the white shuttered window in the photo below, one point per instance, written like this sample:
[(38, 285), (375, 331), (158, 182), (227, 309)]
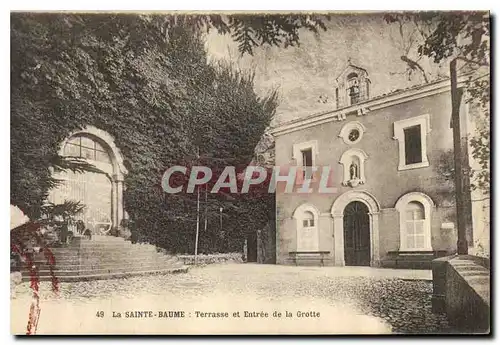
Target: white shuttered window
[(415, 225)]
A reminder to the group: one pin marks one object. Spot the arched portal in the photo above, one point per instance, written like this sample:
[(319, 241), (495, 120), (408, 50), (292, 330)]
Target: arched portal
[(356, 234), (356, 230), (101, 192)]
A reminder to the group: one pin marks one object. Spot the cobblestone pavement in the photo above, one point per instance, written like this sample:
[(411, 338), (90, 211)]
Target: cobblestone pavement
[(347, 303)]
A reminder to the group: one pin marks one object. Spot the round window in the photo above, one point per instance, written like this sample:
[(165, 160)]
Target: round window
[(352, 132), (353, 135)]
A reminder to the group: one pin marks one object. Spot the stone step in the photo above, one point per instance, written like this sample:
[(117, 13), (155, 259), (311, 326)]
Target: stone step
[(113, 251), (117, 269), (103, 257), (101, 246), (75, 278), (99, 238), (97, 263), (100, 256), (91, 246), (113, 256), (146, 257)]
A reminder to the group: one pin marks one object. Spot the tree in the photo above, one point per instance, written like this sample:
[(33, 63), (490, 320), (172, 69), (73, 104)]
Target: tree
[(251, 31), (145, 80), (462, 37)]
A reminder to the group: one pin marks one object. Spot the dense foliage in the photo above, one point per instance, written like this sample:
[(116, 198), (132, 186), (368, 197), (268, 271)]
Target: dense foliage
[(251, 31), (145, 81)]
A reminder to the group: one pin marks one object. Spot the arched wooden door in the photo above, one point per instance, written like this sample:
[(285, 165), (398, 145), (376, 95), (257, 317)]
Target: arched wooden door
[(356, 234)]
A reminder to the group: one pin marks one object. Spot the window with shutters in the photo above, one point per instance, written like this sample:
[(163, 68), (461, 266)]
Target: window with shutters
[(415, 211), (305, 154), (308, 221), (307, 163), (307, 228), (415, 219), (412, 139)]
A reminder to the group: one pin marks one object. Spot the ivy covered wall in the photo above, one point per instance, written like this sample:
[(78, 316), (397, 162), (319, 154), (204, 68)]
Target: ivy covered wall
[(147, 83)]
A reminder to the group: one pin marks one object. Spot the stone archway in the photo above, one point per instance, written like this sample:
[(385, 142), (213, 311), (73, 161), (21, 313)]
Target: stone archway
[(111, 165), (337, 212)]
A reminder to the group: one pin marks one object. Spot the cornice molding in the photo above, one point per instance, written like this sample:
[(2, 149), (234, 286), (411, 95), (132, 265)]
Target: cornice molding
[(363, 109)]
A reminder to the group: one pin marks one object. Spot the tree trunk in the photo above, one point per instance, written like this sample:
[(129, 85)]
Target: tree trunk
[(461, 158)]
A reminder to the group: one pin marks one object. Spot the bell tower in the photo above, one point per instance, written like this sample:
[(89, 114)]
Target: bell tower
[(353, 86)]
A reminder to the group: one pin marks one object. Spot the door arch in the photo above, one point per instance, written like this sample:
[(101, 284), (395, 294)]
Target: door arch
[(101, 192), (337, 212), (356, 234)]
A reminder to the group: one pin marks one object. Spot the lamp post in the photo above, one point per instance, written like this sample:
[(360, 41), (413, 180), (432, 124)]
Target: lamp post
[(220, 217)]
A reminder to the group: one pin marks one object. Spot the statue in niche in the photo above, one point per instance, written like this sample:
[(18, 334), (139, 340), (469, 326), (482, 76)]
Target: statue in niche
[(354, 171), (354, 178)]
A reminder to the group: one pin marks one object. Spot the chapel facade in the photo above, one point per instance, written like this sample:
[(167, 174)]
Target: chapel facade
[(391, 207)]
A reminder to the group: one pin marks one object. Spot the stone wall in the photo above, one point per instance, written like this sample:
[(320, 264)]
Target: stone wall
[(461, 289), (207, 259)]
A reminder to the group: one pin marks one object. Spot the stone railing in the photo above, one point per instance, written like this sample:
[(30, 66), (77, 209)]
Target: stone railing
[(461, 289)]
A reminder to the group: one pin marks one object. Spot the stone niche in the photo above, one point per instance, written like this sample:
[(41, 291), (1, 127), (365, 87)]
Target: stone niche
[(353, 167)]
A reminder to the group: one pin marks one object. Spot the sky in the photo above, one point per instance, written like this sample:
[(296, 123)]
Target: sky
[(303, 74)]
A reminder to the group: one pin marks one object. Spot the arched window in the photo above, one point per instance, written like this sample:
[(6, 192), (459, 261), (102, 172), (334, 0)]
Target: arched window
[(86, 147), (308, 220), (307, 228), (415, 221), (353, 88)]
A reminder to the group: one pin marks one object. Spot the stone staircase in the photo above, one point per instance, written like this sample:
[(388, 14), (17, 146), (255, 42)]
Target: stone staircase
[(103, 257)]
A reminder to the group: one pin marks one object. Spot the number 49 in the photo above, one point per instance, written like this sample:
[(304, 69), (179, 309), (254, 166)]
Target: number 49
[(100, 313)]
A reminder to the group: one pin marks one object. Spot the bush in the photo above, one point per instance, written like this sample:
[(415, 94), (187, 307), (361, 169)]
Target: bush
[(207, 259)]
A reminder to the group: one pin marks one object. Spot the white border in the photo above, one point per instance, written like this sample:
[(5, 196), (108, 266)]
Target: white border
[(186, 5)]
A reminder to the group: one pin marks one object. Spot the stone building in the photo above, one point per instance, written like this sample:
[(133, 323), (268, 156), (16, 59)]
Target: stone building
[(392, 207)]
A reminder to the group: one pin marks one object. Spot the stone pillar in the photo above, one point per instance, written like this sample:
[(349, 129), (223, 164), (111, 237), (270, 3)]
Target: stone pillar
[(114, 192), (338, 240), (325, 232), (438, 299), (117, 183), (374, 239), (119, 201)]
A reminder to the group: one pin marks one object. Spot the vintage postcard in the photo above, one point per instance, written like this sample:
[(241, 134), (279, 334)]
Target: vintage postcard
[(250, 173)]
